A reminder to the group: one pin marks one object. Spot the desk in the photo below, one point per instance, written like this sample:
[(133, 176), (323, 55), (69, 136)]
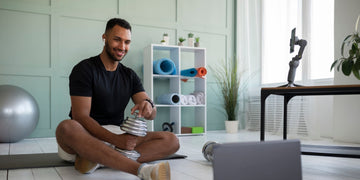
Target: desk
[(290, 92)]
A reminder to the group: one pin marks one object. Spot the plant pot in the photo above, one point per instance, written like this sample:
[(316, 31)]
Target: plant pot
[(197, 44), (167, 39), (232, 126), (180, 44), (191, 42)]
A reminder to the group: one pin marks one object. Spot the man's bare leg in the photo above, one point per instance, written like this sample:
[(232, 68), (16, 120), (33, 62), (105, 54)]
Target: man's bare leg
[(156, 145), (74, 139)]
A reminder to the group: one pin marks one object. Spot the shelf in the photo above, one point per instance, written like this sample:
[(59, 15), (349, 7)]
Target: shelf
[(160, 76), (156, 85), (171, 47), (178, 105)]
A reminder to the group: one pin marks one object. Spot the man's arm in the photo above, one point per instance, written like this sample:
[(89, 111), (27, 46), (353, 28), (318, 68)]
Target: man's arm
[(80, 107), (143, 106)]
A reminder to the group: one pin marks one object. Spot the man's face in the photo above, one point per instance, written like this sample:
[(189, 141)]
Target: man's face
[(117, 42)]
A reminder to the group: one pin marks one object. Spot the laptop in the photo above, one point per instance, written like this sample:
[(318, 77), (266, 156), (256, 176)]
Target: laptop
[(270, 160)]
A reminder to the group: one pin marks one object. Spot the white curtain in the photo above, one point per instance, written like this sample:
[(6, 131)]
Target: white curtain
[(249, 52), (262, 42)]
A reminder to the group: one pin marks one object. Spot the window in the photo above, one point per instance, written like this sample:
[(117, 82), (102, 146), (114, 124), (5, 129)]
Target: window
[(313, 20)]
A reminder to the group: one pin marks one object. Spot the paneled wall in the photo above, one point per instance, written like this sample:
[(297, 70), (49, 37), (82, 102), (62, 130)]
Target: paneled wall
[(41, 40)]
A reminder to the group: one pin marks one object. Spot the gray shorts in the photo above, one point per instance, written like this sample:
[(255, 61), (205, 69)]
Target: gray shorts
[(71, 157)]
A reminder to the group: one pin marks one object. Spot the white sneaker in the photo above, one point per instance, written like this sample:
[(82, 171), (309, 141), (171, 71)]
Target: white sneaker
[(85, 166), (160, 171)]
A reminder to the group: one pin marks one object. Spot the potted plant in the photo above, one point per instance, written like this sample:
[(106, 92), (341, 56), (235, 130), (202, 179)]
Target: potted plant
[(181, 41), (166, 38), (163, 42), (350, 64), (197, 42), (228, 79), (191, 39)]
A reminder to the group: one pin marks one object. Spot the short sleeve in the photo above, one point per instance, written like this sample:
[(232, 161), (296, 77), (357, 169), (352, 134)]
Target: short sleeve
[(80, 81), (137, 85)]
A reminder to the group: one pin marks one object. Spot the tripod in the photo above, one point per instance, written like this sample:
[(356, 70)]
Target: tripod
[(294, 63)]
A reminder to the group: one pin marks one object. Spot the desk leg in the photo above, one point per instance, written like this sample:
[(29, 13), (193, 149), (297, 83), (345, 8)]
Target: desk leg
[(286, 102), (262, 115)]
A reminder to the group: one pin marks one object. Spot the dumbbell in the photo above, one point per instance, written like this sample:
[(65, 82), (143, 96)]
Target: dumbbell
[(207, 150), (134, 126)]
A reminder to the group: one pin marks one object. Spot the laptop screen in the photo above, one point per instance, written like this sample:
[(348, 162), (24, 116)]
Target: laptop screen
[(270, 160)]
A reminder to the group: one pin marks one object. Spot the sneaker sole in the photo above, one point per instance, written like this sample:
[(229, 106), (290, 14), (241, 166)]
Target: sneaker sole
[(162, 172), (85, 166)]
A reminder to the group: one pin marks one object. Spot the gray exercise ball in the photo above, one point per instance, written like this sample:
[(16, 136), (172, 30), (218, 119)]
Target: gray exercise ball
[(19, 114)]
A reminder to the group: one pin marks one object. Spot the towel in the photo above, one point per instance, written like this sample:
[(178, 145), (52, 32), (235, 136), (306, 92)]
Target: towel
[(199, 96)]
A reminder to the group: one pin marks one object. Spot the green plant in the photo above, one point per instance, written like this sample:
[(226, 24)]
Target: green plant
[(190, 35), (165, 34), (181, 39), (197, 39), (352, 62), (163, 41), (228, 79)]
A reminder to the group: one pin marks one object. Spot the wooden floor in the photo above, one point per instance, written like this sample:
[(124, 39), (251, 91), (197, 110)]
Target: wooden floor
[(193, 167)]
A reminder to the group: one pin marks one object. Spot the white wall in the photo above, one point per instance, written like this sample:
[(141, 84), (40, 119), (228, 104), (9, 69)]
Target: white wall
[(346, 108)]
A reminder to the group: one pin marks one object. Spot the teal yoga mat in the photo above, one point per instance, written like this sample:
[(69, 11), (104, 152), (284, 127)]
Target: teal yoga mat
[(189, 72)]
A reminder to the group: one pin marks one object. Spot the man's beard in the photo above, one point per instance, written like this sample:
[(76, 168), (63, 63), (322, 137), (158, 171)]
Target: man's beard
[(111, 56)]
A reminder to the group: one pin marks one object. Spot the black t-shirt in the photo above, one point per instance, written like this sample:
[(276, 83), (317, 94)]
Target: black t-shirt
[(110, 91)]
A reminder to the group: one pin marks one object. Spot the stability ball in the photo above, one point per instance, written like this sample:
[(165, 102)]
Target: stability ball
[(19, 113)]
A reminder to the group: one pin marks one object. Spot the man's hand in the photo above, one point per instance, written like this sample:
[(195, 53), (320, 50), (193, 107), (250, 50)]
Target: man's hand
[(126, 141), (144, 109)]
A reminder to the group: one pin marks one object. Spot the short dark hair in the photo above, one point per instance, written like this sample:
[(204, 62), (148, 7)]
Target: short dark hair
[(117, 21)]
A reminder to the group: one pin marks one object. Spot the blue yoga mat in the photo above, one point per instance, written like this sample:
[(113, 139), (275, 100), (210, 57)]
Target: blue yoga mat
[(164, 66), (189, 72)]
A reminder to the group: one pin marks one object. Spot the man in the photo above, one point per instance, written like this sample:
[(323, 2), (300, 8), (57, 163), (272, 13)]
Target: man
[(100, 89)]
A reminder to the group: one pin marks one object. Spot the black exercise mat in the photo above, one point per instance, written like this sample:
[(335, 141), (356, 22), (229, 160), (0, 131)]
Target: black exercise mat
[(22, 161), (32, 161), (335, 151)]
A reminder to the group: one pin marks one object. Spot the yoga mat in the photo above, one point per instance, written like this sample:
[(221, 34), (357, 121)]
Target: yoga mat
[(201, 72), (23, 161), (172, 99), (189, 72), (32, 161), (164, 66)]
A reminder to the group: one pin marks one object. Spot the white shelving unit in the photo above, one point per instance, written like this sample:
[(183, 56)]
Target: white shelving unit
[(155, 85)]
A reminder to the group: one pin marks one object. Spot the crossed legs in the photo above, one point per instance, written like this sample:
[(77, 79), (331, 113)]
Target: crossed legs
[(74, 139)]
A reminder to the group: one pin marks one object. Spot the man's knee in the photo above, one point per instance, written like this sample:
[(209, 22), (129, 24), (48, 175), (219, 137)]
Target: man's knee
[(172, 141), (66, 127)]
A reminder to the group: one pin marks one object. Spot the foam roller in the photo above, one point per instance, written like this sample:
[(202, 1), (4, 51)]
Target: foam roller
[(172, 99), (164, 66)]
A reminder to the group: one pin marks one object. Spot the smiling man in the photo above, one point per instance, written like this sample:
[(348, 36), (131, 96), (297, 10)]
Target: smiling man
[(100, 89)]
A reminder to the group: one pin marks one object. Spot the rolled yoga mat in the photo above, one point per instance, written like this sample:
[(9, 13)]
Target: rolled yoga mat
[(172, 99), (189, 72), (201, 72), (164, 66)]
